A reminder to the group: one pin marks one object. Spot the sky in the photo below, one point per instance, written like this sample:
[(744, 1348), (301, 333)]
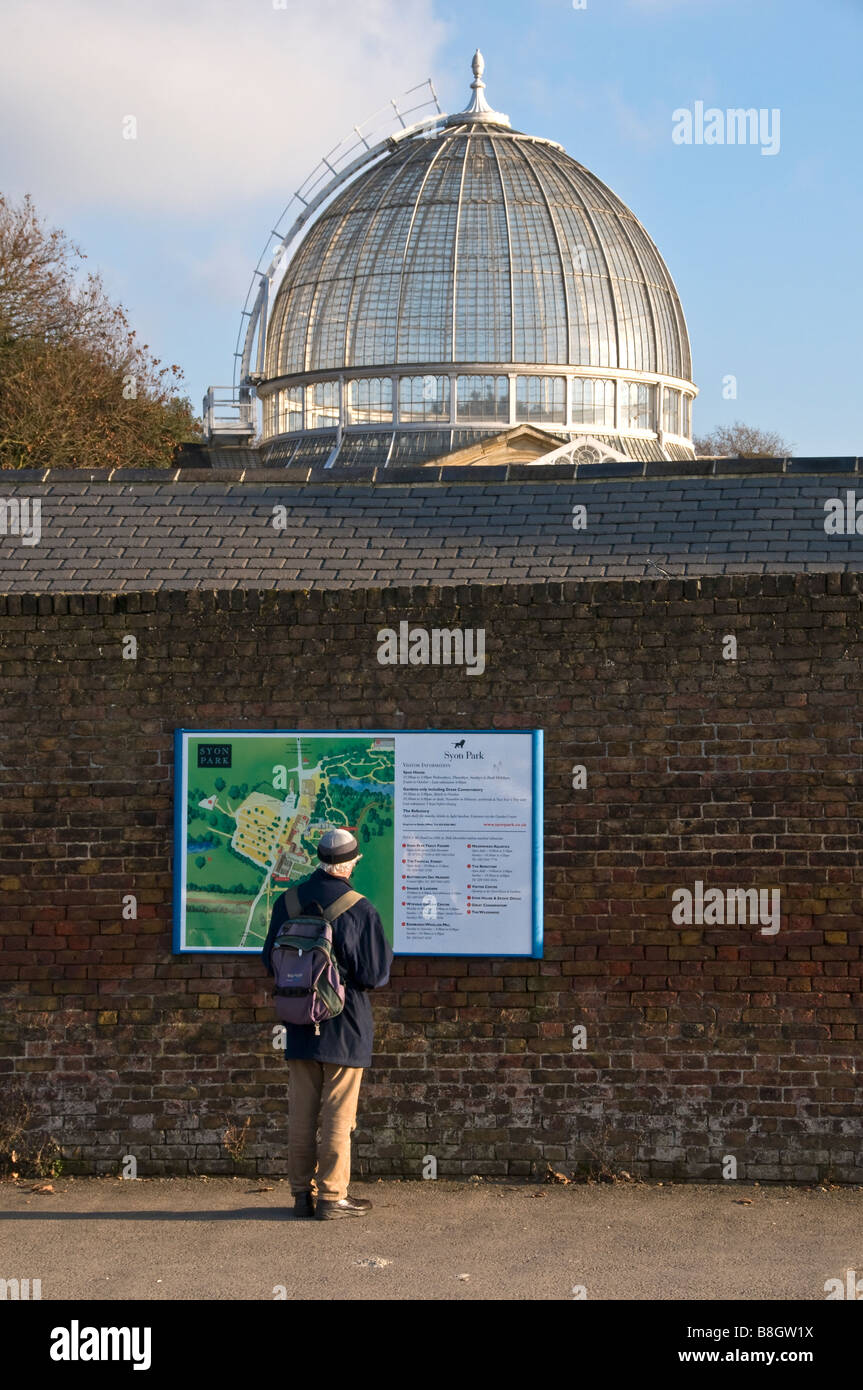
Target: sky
[(234, 102)]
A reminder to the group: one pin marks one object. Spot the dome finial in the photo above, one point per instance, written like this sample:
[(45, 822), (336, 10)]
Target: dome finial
[(479, 109), (479, 102)]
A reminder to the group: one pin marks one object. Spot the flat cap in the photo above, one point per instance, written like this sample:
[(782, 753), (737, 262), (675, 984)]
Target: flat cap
[(337, 847)]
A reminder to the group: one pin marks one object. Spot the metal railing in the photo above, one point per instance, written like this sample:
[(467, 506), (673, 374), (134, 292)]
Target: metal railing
[(229, 410), (363, 144)]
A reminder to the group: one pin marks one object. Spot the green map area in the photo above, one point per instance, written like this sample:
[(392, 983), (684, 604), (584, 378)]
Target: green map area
[(256, 808)]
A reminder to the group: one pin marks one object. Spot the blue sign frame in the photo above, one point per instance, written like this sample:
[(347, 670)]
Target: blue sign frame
[(181, 737)]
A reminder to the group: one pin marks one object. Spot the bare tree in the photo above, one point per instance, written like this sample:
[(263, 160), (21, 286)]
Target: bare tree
[(77, 389), (742, 442)]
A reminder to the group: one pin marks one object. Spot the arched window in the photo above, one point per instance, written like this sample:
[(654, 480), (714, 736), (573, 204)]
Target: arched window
[(370, 400), (482, 398), (637, 406), (423, 398), (671, 411), (290, 409), (593, 402), (541, 399), (322, 406)]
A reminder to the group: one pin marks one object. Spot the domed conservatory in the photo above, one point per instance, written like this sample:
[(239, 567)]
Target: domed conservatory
[(457, 282)]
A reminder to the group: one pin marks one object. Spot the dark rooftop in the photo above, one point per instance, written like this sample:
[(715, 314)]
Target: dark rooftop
[(212, 528)]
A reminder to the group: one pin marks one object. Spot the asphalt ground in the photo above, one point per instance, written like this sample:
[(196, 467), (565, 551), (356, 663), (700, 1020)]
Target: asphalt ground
[(237, 1239)]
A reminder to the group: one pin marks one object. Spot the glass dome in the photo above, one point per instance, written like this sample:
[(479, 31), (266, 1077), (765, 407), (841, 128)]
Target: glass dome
[(474, 279)]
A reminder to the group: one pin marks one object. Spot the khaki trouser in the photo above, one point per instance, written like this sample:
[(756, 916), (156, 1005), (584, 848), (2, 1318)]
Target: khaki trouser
[(323, 1096)]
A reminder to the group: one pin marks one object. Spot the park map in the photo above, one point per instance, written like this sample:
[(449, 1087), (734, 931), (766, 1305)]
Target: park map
[(256, 808)]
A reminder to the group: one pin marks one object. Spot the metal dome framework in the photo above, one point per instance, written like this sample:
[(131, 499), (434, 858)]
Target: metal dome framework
[(468, 278)]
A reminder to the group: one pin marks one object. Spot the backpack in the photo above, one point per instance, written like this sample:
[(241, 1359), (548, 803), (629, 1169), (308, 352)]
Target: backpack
[(309, 987)]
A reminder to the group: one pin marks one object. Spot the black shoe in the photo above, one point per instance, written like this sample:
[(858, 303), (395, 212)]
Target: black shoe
[(329, 1210), (304, 1206)]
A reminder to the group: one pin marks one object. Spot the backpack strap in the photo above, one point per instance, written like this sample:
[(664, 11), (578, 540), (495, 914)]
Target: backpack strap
[(342, 904), (292, 903)]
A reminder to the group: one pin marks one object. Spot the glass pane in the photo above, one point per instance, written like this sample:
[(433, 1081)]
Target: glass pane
[(370, 400), (423, 398), (483, 304), (483, 398), (592, 339), (322, 405), (290, 409), (365, 322), (538, 286), (671, 412), (413, 446), (314, 450), (647, 407), (368, 448), (593, 402), (425, 310), (638, 406), (541, 399)]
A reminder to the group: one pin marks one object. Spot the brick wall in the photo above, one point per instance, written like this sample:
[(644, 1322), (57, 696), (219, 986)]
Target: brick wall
[(701, 1041)]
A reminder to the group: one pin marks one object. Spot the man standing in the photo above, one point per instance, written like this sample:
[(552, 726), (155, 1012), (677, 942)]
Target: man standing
[(326, 1068)]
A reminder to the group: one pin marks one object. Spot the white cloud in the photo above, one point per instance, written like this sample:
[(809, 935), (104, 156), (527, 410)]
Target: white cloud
[(233, 99)]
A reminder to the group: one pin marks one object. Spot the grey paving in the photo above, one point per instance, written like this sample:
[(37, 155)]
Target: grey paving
[(223, 1238)]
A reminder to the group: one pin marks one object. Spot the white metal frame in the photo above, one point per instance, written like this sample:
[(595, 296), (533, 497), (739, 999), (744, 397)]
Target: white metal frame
[(337, 167), (231, 411)]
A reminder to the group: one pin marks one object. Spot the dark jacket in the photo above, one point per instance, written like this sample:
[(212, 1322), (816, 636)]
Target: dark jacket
[(364, 956)]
